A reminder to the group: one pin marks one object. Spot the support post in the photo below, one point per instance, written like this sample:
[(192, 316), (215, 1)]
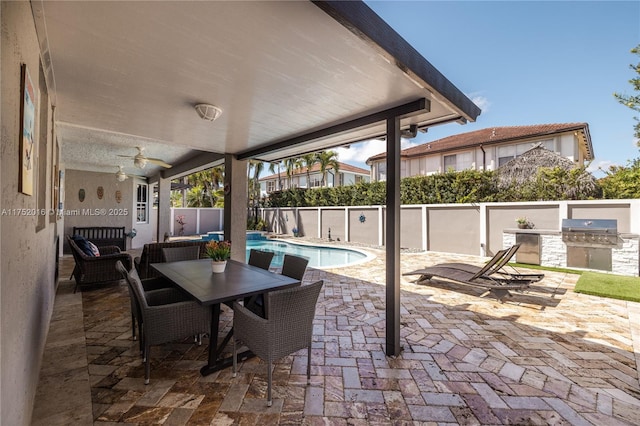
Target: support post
[(164, 209), (392, 239), (235, 206)]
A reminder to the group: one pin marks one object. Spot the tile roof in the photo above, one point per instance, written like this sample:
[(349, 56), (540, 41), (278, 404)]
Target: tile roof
[(344, 167), (489, 136)]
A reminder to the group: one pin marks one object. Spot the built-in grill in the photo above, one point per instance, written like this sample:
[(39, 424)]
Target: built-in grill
[(589, 242), (590, 232)]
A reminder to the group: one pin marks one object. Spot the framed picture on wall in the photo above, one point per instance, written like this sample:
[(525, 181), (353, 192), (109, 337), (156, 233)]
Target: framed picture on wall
[(27, 142)]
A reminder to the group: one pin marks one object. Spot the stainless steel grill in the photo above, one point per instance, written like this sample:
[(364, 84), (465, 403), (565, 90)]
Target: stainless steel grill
[(589, 242), (590, 232)]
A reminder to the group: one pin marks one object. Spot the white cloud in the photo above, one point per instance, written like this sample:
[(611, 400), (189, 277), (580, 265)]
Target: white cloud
[(408, 143), (359, 152), (598, 168), (481, 101)]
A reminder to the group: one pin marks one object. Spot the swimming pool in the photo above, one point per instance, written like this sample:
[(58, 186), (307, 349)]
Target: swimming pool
[(319, 256)]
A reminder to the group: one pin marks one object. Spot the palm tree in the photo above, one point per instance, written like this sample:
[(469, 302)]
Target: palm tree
[(328, 159), (255, 166), (253, 183), (209, 180), (308, 161), (290, 164)]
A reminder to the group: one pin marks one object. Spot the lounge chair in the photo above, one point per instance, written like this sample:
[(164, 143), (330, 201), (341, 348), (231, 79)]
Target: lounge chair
[(495, 267), (498, 287)]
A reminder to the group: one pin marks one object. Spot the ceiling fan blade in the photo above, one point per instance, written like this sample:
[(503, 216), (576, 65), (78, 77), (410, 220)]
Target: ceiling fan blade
[(159, 162), (125, 156)]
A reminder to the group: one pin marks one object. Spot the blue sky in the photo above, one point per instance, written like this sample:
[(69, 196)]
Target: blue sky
[(527, 63)]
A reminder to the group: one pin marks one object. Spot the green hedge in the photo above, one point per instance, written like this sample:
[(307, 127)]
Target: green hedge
[(468, 186)]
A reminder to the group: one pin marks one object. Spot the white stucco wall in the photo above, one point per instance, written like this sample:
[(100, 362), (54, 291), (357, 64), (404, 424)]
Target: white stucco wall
[(27, 284)]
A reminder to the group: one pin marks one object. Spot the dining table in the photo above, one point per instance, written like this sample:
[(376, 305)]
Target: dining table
[(239, 281)]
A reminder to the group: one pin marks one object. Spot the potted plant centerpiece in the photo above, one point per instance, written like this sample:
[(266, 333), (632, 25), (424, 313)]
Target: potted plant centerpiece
[(219, 252)]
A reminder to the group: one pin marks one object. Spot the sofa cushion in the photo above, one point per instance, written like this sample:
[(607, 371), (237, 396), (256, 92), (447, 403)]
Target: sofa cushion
[(83, 244)]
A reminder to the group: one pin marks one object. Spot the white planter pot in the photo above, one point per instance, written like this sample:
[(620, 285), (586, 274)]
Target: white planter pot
[(218, 266)]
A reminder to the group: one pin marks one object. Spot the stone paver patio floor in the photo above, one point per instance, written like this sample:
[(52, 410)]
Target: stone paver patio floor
[(546, 356)]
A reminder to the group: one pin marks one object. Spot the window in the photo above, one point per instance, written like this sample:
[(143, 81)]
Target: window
[(141, 204), (271, 185), (341, 179), (506, 154), (449, 162), (316, 182), (359, 178), (382, 171), (457, 162), (504, 160)]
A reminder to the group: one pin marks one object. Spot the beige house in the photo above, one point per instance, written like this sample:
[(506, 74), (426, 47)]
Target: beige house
[(346, 175), (488, 149)]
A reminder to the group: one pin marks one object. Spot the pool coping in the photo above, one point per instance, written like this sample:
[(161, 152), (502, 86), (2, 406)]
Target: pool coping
[(369, 256)]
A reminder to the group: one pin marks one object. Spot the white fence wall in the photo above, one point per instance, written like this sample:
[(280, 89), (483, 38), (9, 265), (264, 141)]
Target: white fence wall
[(475, 229)]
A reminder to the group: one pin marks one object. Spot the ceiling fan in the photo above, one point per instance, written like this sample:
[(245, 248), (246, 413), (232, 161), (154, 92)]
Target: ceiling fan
[(140, 161), (121, 176)]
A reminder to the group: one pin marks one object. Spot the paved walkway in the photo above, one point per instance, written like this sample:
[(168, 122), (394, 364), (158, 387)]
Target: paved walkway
[(547, 356)]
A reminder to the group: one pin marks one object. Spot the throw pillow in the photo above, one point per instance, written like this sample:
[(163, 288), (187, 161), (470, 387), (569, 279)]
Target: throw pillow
[(94, 249), (83, 244)]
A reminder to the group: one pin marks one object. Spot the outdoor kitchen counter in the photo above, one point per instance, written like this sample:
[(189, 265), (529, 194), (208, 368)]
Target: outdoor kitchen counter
[(625, 256), (531, 231)]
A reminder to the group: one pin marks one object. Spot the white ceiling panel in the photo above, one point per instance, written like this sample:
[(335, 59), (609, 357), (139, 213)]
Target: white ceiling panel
[(277, 70)]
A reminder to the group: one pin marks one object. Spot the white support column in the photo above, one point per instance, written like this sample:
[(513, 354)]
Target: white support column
[(634, 216), (425, 227), (319, 222), (171, 225), (198, 221), (278, 220), (380, 226), (483, 230), (346, 223), (563, 212)]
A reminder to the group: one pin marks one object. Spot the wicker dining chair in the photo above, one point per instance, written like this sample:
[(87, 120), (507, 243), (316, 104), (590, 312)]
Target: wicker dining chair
[(294, 266), (289, 327), (177, 254), (260, 258), (169, 254), (166, 316)]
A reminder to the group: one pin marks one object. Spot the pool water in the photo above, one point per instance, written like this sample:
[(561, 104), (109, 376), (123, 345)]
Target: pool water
[(319, 257)]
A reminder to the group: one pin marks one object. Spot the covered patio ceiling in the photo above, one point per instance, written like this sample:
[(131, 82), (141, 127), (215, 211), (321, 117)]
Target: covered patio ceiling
[(286, 75)]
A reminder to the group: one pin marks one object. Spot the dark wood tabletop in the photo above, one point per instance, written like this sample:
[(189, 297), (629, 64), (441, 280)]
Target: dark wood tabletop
[(238, 281)]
